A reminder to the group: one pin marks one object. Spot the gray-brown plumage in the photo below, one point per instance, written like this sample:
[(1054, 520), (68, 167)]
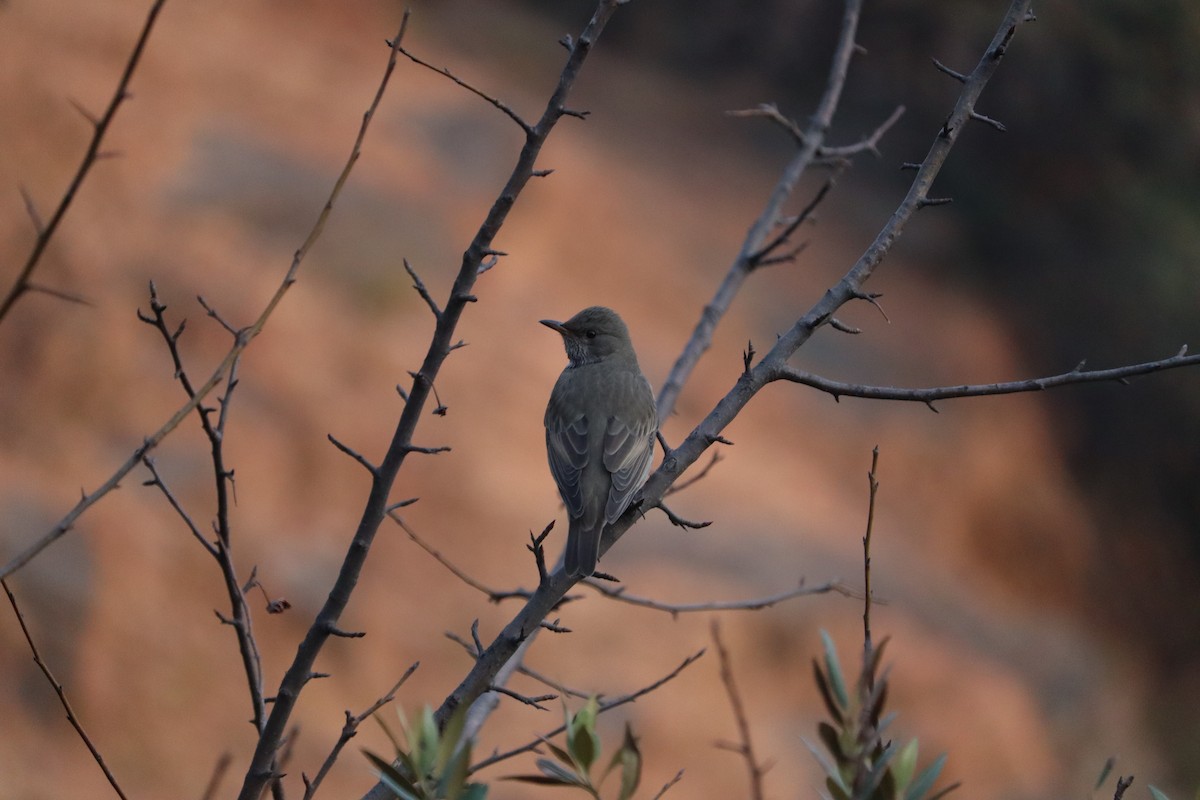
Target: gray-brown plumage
[(600, 426)]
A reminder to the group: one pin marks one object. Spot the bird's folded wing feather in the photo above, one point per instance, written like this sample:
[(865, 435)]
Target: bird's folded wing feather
[(628, 451), (566, 445)]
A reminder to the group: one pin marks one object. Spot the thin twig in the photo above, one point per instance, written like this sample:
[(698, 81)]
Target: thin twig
[(494, 595), (811, 140), (350, 730), (745, 747), (873, 490), (243, 339), (930, 395), (498, 104), (45, 232), (62, 695), (218, 773), (675, 609), (606, 705)]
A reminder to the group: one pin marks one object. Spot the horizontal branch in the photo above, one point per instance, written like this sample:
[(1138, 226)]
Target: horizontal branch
[(930, 395), (753, 604)]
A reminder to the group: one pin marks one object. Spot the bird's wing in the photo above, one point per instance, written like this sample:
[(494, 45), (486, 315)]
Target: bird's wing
[(566, 444), (628, 451)]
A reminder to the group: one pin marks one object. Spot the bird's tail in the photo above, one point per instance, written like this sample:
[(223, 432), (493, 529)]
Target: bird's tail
[(583, 548)]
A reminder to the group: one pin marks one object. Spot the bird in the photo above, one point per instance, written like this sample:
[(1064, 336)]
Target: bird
[(601, 423)]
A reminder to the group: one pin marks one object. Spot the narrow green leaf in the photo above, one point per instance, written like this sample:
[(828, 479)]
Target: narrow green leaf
[(452, 777), (1157, 794), (826, 695), (837, 683), (904, 766), (449, 738), (833, 743), (559, 753), (424, 751), (835, 790), (553, 770), (544, 780), (926, 779), (1105, 771), (830, 770), (391, 777)]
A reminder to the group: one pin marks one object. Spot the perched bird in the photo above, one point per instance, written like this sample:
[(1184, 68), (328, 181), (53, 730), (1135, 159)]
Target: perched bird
[(600, 426)]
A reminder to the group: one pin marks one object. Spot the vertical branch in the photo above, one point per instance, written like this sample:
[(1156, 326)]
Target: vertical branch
[(99, 128), (62, 695), (744, 747), (873, 485)]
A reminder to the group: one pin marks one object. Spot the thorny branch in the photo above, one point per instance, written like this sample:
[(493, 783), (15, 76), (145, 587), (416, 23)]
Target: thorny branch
[(474, 262), (62, 694), (757, 375), (241, 342), (100, 125)]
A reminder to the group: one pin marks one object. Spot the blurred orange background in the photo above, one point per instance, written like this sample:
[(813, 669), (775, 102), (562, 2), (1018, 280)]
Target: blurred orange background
[(1035, 629)]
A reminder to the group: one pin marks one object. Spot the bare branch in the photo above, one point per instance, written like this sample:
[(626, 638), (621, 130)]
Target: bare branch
[(374, 510), (242, 340), (675, 609), (606, 705), (869, 144), (1078, 375), (812, 139), (745, 747), (498, 104), (100, 127), (419, 285), (62, 695), (493, 595), (350, 730)]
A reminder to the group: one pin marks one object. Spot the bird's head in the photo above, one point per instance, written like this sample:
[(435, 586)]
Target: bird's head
[(593, 335)]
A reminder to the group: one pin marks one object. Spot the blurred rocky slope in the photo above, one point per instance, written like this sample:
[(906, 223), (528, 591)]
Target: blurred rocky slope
[(1037, 553)]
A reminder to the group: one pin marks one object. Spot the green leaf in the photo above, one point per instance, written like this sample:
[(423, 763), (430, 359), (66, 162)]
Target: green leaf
[(424, 751), (449, 738), (453, 776), (829, 736), (1109, 763), (582, 741), (834, 669), (391, 777), (552, 769), (904, 766), (925, 780), (826, 695), (835, 790), (630, 758), (831, 771), (559, 753), (1157, 794)]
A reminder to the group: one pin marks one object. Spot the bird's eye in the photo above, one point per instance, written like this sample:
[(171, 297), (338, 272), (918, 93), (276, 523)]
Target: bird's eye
[(591, 334)]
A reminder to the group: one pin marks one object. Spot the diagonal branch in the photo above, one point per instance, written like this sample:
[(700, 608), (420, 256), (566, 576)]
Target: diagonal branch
[(241, 342), (551, 590), (811, 141), (62, 695), (45, 232), (259, 772)]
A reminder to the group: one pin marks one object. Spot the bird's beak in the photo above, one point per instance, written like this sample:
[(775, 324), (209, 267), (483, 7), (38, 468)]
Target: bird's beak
[(553, 325)]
